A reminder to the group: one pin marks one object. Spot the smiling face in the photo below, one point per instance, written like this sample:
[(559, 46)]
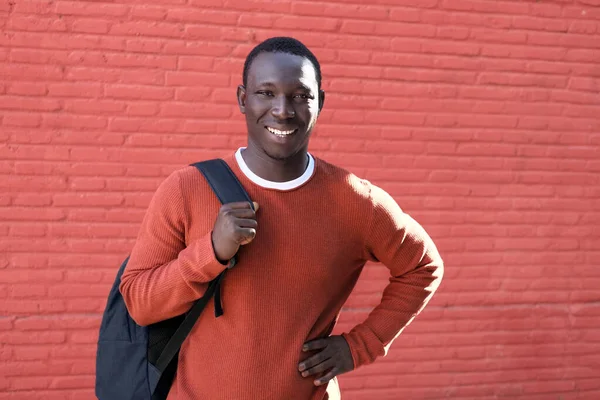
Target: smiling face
[(281, 101)]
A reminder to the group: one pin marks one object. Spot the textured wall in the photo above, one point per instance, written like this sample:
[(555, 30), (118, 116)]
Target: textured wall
[(481, 117)]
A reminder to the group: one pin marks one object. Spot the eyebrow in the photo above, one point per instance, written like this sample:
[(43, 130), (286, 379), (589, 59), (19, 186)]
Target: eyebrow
[(271, 84)]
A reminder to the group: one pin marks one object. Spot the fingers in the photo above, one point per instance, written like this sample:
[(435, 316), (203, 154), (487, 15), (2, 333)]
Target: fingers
[(240, 205), (235, 226), (314, 360), (322, 367), (315, 345), (244, 236), (327, 377), (239, 212), (335, 359), (245, 223)]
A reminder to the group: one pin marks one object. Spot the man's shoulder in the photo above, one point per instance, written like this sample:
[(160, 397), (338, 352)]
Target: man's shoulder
[(354, 187), (189, 174), (343, 179), (188, 181)]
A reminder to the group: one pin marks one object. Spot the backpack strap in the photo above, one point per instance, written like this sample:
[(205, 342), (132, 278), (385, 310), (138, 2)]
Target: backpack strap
[(228, 190)]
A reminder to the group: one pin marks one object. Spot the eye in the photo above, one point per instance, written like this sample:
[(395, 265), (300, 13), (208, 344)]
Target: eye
[(303, 96), (266, 93)]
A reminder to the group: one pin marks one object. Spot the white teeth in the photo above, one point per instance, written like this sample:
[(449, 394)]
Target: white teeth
[(280, 133)]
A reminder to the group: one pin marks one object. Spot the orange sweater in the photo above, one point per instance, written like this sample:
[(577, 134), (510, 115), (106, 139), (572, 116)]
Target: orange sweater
[(314, 236)]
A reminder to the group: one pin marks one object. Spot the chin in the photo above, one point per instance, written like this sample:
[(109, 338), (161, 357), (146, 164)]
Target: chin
[(283, 150), (280, 154)]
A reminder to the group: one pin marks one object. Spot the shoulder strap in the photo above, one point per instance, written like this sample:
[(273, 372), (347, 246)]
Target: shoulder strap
[(229, 190), (222, 181)]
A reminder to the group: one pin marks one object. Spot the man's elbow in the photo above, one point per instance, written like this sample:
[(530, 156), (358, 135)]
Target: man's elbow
[(437, 273), (134, 309)]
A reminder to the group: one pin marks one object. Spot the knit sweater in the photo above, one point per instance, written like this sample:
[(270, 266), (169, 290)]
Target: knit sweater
[(314, 236)]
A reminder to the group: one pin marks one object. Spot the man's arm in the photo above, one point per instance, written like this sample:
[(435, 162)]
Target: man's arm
[(416, 269), (163, 277)]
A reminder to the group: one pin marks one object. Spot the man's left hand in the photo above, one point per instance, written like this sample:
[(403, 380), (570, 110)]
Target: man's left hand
[(334, 357)]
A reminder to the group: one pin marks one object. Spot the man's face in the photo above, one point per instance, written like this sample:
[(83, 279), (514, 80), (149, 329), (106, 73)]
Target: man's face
[(281, 103)]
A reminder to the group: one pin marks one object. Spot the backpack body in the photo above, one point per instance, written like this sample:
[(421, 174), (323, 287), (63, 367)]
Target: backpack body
[(125, 356), (136, 362)]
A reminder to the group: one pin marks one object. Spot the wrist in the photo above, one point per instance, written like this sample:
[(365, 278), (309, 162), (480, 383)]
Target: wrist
[(217, 257)]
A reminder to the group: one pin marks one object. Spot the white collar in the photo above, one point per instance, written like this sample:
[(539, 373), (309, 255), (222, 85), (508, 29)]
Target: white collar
[(289, 185)]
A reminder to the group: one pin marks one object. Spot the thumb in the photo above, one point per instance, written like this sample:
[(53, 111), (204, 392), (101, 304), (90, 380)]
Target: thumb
[(255, 204)]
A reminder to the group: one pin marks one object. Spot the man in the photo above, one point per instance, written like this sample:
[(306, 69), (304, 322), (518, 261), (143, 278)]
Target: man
[(301, 250)]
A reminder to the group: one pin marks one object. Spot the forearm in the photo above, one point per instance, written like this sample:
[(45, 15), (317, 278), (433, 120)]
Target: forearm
[(156, 287), (402, 300), (416, 270)]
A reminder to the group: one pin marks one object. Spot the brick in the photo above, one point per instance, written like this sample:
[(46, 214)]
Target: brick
[(35, 337), (546, 10), (582, 55), (485, 7), (586, 27), (27, 89), (33, 383), (138, 92), (30, 214), (196, 63), (88, 199), (90, 26), (541, 24), (196, 48), (25, 103), (341, 10), (438, 47), (523, 52), (221, 17), (36, 24), (79, 89), (42, 7), (91, 9), (452, 32), (28, 231), (251, 5), (73, 121), (31, 72), (17, 291), (499, 36), (30, 353), (177, 78), (308, 23), (147, 28), (148, 12), (74, 382), (141, 108)]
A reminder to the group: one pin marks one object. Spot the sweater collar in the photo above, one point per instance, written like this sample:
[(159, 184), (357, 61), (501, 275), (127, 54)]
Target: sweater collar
[(289, 185)]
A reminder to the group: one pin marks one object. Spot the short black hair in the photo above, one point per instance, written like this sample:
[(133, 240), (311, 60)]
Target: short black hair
[(286, 45)]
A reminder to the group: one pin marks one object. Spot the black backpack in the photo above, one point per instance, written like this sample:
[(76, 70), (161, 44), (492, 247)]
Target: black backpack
[(134, 362)]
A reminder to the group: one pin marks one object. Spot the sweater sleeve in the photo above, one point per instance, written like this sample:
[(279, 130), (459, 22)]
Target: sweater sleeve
[(416, 269), (163, 277)]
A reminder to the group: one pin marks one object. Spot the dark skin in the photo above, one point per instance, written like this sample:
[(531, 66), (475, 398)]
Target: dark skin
[(281, 102), (281, 92)]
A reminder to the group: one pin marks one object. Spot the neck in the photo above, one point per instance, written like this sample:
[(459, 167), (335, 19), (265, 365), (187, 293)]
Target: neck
[(275, 170)]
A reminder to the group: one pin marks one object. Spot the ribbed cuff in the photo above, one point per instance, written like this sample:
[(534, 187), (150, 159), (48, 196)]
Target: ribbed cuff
[(198, 262), (365, 347)]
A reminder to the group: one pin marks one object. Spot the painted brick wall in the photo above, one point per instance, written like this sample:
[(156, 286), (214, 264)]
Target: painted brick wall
[(481, 117)]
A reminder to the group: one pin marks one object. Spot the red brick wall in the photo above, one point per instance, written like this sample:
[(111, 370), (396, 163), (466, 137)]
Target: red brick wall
[(480, 117)]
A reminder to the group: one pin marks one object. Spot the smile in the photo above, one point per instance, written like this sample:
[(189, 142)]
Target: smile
[(279, 133)]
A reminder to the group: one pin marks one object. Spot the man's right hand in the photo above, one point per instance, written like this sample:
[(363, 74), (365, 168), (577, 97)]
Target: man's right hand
[(235, 226)]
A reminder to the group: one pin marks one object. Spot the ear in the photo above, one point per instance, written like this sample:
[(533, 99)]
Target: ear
[(241, 98), (321, 100)]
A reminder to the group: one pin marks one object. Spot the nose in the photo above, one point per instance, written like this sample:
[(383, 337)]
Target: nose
[(282, 108)]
